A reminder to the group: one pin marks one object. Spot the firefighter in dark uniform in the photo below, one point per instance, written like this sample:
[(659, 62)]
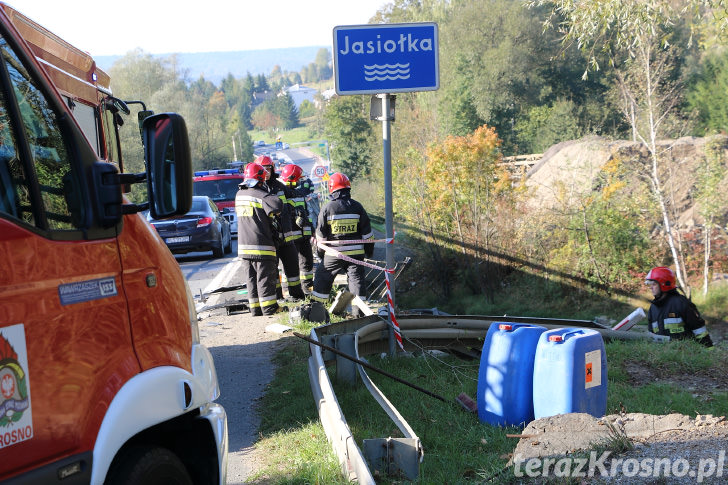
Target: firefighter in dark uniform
[(671, 313), (258, 212), (342, 218), (292, 176), (287, 253)]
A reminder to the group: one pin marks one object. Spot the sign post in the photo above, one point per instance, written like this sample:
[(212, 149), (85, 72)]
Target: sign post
[(381, 59)]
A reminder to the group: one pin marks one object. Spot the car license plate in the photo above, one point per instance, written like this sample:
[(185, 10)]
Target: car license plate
[(180, 239)]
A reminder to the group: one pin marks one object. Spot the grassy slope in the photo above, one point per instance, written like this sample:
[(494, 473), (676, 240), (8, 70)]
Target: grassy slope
[(458, 448)]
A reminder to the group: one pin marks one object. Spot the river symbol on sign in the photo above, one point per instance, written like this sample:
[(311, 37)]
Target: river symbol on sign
[(385, 72)]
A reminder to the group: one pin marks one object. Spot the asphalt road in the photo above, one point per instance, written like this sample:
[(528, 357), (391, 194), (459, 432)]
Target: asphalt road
[(201, 269)]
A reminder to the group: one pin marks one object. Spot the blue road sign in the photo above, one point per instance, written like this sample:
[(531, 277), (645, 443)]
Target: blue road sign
[(386, 58)]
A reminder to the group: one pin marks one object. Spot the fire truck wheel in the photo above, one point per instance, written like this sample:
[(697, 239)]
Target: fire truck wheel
[(148, 465)]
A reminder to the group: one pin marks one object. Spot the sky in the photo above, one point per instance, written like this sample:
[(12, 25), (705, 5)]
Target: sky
[(103, 27)]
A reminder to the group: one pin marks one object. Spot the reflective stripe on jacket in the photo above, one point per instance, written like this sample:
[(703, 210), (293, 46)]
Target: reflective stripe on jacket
[(254, 207), (673, 315), (343, 218)]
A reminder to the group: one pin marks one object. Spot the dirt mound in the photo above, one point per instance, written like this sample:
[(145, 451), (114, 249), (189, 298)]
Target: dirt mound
[(673, 447), (569, 171)]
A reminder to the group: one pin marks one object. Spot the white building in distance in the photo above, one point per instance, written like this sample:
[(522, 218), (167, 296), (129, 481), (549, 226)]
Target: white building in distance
[(298, 93)]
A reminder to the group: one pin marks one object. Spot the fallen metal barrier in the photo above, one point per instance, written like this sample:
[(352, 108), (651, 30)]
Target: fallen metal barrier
[(367, 336)]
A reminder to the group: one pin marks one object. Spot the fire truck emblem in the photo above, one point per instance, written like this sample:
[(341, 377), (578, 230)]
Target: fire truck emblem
[(16, 411), (14, 400)]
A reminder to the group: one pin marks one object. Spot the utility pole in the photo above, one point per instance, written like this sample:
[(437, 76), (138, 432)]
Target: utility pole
[(387, 116), (382, 72)]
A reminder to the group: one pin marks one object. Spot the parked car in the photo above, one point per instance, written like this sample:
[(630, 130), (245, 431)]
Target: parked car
[(203, 228), (260, 143)]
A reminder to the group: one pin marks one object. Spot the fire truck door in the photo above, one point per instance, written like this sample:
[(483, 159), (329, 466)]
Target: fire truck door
[(65, 344)]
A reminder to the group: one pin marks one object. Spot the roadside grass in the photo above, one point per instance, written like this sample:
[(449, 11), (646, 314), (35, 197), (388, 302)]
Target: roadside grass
[(294, 135), (643, 376), (458, 447), (674, 377), (293, 440), (714, 307)]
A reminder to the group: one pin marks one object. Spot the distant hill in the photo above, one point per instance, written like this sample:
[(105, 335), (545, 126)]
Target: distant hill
[(214, 66)]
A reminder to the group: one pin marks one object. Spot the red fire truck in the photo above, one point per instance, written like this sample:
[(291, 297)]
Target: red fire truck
[(220, 185), (102, 375)]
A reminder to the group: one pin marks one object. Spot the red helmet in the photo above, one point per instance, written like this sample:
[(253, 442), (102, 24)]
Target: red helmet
[(291, 173), (254, 171), (265, 161), (338, 181), (664, 276)]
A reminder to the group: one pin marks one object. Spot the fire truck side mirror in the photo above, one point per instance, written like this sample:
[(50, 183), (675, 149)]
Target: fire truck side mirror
[(169, 166), (116, 105)]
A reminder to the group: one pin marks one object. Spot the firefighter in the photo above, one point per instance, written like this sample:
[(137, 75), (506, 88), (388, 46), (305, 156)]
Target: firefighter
[(292, 176), (287, 253), (342, 218), (258, 214), (671, 313)]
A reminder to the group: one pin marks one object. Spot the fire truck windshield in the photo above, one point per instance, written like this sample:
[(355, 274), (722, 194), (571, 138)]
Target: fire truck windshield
[(217, 190)]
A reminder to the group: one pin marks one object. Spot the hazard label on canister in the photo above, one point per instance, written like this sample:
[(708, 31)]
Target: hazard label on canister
[(592, 369)]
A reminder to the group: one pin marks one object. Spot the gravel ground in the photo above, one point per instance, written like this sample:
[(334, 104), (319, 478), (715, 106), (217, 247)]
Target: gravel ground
[(667, 449), (243, 350)]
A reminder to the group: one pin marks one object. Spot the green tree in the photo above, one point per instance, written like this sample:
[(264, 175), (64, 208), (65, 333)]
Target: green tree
[(206, 125), (350, 134), (492, 63), (261, 84), (314, 72), (285, 108), (246, 152), (239, 97), (264, 118), (307, 109), (708, 94), (603, 235), (709, 197), (276, 113), (468, 191), (323, 64), (140, 76), (544, 126), (643, 41)]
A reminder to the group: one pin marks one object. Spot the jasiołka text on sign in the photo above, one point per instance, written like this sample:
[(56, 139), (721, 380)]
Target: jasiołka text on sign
[(386, 58)]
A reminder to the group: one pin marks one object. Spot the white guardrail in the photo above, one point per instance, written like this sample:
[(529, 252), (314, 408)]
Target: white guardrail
[(369, 333)]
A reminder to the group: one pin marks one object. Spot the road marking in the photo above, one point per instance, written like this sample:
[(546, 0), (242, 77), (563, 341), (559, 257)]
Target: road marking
[(222, 279)]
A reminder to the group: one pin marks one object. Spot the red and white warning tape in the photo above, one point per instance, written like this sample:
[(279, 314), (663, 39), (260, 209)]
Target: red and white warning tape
[(326, 247), (343, 256), (389, 240), (390, 304), (387, 272)]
